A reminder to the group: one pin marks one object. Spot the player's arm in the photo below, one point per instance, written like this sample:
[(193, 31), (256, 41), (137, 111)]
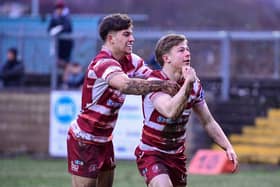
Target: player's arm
[(138, 86), (215, 131), (172, 107)]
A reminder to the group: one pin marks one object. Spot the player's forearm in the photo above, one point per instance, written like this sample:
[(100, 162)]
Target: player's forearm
[(217, 134), (178, 102), (142, 87)]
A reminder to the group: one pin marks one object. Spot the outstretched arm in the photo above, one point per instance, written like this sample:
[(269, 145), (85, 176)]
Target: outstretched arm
[(215, 131), (138, 86)]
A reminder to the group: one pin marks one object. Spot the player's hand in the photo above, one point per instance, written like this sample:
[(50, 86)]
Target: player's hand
[(189, 74), (232, 157), (170, 87)]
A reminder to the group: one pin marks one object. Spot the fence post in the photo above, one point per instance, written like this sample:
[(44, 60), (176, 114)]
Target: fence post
[(2, 58), (276, 35), (35, 8), (225, 66), (53, 52)]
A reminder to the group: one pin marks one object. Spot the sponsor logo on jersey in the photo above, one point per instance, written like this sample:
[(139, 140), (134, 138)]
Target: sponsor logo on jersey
[(74, 167), (79, 162), (92, 168)]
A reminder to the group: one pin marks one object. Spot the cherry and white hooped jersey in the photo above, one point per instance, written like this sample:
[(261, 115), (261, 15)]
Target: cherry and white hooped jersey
[(101, 102), (165, 134)]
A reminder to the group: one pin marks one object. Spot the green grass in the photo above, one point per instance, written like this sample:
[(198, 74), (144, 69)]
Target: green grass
[(27, 172)]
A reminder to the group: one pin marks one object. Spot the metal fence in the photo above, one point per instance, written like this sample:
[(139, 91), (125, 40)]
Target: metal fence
[(220, 54)]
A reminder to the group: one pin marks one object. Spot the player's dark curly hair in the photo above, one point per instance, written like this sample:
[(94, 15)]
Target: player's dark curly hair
[(114, 22), (165, 44)]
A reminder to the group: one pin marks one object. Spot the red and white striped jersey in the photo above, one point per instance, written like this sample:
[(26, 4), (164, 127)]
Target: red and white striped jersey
[(101, 102), (165, 134)]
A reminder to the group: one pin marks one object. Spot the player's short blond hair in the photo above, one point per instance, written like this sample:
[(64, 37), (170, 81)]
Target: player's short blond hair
[(165, 44)]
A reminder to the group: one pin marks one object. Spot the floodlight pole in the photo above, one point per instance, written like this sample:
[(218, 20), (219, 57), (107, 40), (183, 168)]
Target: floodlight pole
[(225, 66), (276, 35)]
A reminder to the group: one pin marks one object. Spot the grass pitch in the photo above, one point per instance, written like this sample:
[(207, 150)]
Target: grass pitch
[(28, 172)]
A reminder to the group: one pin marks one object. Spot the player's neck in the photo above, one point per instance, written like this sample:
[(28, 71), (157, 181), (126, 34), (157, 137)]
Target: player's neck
[(116, 55), (171, 73)]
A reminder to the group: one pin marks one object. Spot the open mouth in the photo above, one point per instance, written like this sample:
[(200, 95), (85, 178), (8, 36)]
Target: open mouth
[(187, 62)]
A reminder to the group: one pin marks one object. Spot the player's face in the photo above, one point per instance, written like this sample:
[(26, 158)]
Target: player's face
[(123, 41), (180, 55)]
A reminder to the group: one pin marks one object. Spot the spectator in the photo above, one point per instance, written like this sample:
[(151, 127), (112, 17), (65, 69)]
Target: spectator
[(60, 23), (12, 72), (73, 76)]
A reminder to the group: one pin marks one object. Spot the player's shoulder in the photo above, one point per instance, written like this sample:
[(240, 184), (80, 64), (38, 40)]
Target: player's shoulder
[(197, 90), (197, 86), (102, 60), (104, 57), (156, 74), (135, 57)]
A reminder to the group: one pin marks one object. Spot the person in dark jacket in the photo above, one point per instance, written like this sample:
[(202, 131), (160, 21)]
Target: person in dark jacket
[(60, 23), (12, 72)]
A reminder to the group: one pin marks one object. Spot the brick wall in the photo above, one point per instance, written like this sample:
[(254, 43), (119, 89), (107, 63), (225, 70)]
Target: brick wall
[(24, 122)]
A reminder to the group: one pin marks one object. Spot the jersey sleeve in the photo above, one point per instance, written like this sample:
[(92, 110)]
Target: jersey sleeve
[(141, 69), (197, 93), (105, 68)]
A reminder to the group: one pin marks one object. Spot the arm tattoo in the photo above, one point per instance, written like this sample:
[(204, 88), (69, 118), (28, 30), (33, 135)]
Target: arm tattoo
[(143, 87)]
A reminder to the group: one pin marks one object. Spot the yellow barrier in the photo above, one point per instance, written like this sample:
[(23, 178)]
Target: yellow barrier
[(259, 143)]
